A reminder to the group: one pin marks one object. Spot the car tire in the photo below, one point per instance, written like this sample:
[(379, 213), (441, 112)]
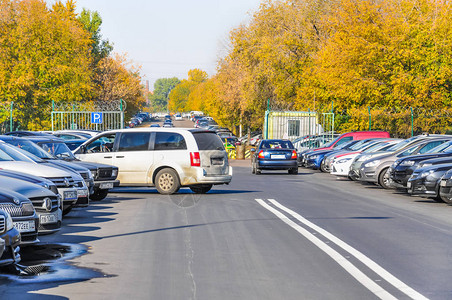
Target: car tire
[(293, 171), (447, 200), (383, 179), (167, 181), (201, 189), (323, 167), (67, 210), (438, 199), (98, 195)]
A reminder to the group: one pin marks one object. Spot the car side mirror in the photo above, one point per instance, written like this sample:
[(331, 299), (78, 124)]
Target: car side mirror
[(253, 150)]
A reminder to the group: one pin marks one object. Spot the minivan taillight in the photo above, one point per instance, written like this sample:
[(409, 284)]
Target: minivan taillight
[(195, 159), (294, 154)]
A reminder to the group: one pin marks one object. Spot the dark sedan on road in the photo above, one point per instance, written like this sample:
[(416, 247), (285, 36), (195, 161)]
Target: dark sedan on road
[(425, 182), (445, 187), (274, 155), (403, 168)]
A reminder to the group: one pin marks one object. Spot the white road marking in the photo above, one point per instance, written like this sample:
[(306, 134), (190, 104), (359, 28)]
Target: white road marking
[(397, 283), (341, 260)]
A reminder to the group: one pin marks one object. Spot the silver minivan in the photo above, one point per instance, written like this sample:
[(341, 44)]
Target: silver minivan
[(167, 158)]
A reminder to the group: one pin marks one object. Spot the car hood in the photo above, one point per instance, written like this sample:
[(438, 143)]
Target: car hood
[(8, 196), (35, 169), (29, 190), (67, 165), (436, 161), (440, 167), (26, 177), (92, 165)]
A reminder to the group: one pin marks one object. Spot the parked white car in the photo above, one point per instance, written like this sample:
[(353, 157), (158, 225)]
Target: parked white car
[(167, 158)]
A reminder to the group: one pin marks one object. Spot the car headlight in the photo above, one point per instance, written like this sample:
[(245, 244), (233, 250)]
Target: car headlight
[(114, 173), (427, 173), (28, 209), (90, 175), (94, 173), (9, 222), (45, 185), (407, 163), (314, 156), (372, 163), (344, 160), (363, 158)]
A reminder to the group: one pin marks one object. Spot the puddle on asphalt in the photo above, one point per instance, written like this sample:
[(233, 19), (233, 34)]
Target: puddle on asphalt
[(48, 263)]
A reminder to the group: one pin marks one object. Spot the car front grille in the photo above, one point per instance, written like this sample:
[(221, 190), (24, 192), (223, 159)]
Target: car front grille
[(15, 211), (104, 173), (2, 223), (60, 182), (38, 203)]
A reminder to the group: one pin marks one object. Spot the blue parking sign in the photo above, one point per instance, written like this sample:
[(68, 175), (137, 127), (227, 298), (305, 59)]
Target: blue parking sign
[(96, 118)]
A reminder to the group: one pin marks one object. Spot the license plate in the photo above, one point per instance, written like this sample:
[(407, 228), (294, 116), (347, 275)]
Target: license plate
[(106, 185), (278, 156), (408, 185), (70, 195), (45, 219), (25, 226), (443, 183), (82, 192)]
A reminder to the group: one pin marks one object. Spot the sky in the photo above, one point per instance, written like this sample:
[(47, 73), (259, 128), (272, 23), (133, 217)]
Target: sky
[(170, 37)]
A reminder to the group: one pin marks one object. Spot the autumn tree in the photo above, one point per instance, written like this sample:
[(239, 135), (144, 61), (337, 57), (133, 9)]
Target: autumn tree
[(180, 95), (119, 79), (44, 56)]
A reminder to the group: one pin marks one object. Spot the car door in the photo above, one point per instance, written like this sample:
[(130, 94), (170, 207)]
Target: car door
[(99, 150), (133, 157)]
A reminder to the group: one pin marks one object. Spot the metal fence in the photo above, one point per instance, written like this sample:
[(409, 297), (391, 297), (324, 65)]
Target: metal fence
[(94, 115)]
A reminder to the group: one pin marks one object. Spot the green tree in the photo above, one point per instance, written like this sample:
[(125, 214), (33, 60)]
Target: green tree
[(43, 57), (162, 89)]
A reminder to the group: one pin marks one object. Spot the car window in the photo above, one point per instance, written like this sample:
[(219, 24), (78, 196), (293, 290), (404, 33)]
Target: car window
[(276, 145), (343, 140), (430, 146), (169, 141), (439, 148), (103, 143), (134, 141), (408, 151), (31, 147), (57, 149), (208, 141)]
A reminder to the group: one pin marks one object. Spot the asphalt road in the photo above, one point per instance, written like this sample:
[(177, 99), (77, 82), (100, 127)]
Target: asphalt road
[(228, 244)]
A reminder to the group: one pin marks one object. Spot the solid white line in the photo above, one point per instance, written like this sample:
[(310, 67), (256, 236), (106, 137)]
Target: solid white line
[(341, 260), (397, 283)]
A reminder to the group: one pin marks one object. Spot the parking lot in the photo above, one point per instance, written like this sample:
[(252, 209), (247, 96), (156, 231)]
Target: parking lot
[(142, 245)]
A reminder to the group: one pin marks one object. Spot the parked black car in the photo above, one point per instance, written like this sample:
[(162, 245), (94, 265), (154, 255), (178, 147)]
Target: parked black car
[(445, 187), (104, 175), (274, 155), (24, 216), (403, 168), (10, 237), (425, 181)]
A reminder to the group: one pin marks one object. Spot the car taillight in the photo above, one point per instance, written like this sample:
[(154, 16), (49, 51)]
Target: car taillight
[(294, 154), (261, 154), (195, 159)]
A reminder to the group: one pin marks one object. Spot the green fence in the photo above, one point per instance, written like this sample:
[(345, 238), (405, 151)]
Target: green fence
[(94, 115)]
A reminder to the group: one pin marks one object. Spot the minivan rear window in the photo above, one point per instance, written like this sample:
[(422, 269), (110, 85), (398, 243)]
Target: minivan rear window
[(208, 141)]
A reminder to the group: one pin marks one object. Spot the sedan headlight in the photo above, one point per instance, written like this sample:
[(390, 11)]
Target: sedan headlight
[(114, 173), (427, 173), (94, 173), (372, 163), (344, 160), (407, 163), (9, 222), (28, 209), (314, 156), (363, 158)]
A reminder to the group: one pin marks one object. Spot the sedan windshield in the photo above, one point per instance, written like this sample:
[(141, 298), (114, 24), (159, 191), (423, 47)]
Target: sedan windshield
[(31, 147), (59, 150), (19, 154)]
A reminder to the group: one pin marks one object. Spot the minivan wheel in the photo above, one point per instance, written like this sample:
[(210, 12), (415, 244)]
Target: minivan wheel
[(383, 179), (98, 195), (167, 182), (201, 189)]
